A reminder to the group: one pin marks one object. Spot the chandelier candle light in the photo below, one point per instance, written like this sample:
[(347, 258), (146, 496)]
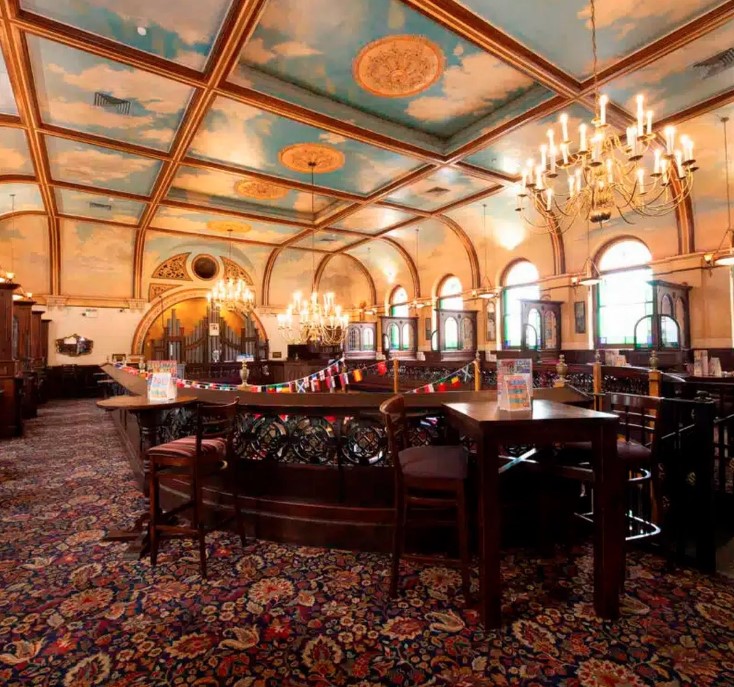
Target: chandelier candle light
[(314, 319), (231, 294), (604, 172)]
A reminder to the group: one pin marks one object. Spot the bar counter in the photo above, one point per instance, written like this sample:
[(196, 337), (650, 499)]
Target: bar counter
[(315, 467)]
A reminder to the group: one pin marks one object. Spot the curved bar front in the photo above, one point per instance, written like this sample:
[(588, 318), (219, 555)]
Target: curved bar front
[(314, 466)]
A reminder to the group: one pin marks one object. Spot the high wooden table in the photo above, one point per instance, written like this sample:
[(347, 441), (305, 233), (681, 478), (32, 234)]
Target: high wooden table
[(548, 422), (147, 414)]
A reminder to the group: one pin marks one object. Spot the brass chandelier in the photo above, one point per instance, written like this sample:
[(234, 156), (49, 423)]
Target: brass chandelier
[(231, 294), (315, 319), (604, 173)]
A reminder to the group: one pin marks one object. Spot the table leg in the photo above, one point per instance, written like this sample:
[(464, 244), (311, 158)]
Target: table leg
[(490, 579), (609, 542)]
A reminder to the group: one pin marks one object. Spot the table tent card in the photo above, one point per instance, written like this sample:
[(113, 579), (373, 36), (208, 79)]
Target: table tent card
[(515, 384), (701, 363), (161, 387)]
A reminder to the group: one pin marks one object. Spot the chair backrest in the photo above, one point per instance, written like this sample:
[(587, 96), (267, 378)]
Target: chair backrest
[(639, 417), (216, 421), (396, 425)]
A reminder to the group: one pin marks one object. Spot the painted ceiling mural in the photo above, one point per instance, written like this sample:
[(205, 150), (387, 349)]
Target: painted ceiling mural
[(381, 97), (24, 249), (341, 277), (97, 259)]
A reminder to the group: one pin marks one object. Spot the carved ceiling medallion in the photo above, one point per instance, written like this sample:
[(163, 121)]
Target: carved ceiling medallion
[(299, 156), (261, 190), (398, 66), (227, 225)]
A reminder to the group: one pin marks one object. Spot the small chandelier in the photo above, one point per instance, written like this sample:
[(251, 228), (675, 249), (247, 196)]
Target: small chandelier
[(6, 275), (604, 173), (231, 294), (314, 319), (726, 258)]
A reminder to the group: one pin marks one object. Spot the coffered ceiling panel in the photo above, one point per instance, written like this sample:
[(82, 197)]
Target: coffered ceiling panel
[(96, 206), (253, 139), (14, 152), (218, 224), (184, 33), (24, 197), (686, 76), (81, 91), (446, 186), (380, 57), (246, 194), (561, 32), (511, 152), (102, 167), (326, 240), (372, 219), (7, 99)]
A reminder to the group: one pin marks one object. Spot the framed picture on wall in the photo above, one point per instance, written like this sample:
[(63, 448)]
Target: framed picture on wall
[(491, 321), (579, 315), (427, 330)]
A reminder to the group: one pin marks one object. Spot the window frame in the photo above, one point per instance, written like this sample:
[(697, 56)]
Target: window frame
[(504, 309), (392, 304)]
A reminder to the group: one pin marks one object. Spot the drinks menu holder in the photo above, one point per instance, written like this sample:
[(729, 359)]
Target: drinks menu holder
[(515, 384), (161, 387)]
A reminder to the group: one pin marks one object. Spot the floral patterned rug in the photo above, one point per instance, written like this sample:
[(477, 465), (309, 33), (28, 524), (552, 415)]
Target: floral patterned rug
[(74, 613)]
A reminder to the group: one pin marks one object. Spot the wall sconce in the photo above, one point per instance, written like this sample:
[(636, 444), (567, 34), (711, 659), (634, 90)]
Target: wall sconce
[(708, 262)]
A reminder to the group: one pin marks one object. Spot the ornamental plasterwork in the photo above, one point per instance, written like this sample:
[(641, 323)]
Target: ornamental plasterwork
[(299, 156), (233, 271), (260, 190), (398, 66), (226, 225), (173, 268), (155, 290)]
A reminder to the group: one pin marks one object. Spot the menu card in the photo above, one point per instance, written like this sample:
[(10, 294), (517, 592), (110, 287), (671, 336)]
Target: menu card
[(700, 363), (163, 366), (515, 384), (161, 387)]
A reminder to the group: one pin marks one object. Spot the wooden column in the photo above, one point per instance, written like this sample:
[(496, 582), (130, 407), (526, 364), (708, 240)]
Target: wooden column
[(10, 424), (22, 308)]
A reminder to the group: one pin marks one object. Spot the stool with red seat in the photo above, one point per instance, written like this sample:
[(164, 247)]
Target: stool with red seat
[(194, 459), (429, 478)]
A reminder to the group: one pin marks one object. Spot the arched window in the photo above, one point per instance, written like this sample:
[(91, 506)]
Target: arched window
[(624, 295), (449, 294), (399, 302), (451, 334), (368, 339), (520, 283)]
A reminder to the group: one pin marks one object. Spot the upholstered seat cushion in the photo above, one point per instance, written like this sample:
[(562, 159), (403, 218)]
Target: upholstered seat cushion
[(438, 462), (628, 451), (211, 449)]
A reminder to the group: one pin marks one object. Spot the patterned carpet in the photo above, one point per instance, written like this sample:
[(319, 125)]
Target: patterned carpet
[(73, 613)]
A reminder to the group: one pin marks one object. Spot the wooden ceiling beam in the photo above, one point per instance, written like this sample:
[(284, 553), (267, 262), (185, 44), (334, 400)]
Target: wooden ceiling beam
[(682, 36), (468, 200), (238, 27), (21, 78), (472, 27), (183, 205), (96, 190)]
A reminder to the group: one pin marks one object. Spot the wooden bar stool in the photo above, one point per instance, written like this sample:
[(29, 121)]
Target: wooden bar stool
[(193, 459), (429, 478)]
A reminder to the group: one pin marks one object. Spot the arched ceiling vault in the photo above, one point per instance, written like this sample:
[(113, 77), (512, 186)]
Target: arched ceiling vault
[(360, 266), (194, 121)]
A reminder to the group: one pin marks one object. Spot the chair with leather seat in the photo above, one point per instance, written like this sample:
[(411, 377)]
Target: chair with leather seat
[(429, 480), (194, 459)]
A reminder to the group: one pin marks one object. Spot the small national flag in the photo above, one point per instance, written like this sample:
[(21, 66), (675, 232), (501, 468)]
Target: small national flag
[(357, 374), (331, 382), (344, 379), (322, 375), (455, 381), (315, 385), (430, 388), (382, 368), (441, 386), (301, 386)]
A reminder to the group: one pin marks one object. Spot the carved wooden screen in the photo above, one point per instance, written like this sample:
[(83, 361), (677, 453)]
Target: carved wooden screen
[(541, 325), (400, 336), (457, 332), (360, 341)]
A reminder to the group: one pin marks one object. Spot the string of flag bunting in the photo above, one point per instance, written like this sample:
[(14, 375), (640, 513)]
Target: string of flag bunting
[(453, 379)]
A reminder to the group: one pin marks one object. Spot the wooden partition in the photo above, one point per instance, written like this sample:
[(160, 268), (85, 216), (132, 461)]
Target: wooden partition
[(10, 420)]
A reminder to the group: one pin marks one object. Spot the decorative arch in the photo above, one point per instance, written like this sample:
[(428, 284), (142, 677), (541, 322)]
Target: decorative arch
[(471, 250), (617, 239), (165, 302), (174, 268), (509, 266), (327, 258), (234, 271)]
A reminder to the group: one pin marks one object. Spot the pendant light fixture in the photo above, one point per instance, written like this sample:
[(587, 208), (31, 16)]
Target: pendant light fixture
[(417, 303), (726, 258), (487, 291), (589, 275)]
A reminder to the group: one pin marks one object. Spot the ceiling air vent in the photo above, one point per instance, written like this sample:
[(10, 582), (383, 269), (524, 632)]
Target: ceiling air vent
[(436, 191), (111, 104), (716, 64), (327, 239), (100, 206)]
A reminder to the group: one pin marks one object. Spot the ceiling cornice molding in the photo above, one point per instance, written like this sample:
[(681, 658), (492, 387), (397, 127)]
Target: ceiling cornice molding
[(238, 27), (470, 26), (15, 52), (680, 37)]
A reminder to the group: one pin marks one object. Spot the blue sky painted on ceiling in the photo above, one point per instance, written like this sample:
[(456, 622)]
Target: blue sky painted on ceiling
[(312, 43), (184, 33), (563, 33), (326, 240), (14, 152), (217, 223), (81, 204), (91, 165), (372, 219), (250, 138), (445, 186), (66, 81), (218, 189), (7, 99), (27, 198)]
